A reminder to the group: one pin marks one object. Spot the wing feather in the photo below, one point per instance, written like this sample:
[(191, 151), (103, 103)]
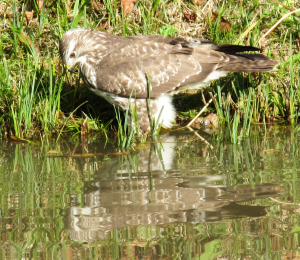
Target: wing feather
[(168, 63), (125, 71)]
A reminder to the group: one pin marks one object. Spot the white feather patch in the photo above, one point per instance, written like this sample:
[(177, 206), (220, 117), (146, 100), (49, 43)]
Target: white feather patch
[(200, 84), (166, 111), (197, 85), (215, 75)]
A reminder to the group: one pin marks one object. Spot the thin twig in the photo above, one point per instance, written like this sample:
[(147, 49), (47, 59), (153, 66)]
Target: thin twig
[(68, 119), (207, 3), (203, 97), (276, 24), (202, 110), (286, 7), (200, 137), (283, 202)]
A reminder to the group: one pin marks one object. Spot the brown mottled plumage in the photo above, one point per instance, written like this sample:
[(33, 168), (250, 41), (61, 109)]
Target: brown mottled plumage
[(116, 68)]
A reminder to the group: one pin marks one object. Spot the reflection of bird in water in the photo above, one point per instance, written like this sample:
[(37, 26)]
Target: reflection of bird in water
[(147, 188), (110, 205), (151, 68)]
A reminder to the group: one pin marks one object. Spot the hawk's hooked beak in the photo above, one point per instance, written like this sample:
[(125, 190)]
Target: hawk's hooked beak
[(70, 68)]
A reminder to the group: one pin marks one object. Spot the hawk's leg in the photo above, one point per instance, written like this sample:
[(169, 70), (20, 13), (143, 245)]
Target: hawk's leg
[(151, 114), (142, 114)]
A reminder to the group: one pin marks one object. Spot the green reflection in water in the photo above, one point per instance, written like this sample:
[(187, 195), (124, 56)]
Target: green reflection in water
[(180, 198)]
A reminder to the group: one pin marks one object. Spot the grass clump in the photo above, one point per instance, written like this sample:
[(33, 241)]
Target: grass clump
[(38, 97)]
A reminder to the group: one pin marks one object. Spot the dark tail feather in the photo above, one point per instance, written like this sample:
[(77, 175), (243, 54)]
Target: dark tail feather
[(232, 49)]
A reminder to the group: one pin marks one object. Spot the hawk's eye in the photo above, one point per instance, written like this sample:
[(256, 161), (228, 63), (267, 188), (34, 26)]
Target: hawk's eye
[(72, 55)]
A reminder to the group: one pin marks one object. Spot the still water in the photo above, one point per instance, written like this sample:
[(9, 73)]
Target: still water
[(186, 195)]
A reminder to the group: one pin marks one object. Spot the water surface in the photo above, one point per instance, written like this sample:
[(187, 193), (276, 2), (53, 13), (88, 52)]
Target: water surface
[(186, 195)]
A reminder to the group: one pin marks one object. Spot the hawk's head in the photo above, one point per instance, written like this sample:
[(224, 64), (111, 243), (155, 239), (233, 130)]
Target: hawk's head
[(71, 47)]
